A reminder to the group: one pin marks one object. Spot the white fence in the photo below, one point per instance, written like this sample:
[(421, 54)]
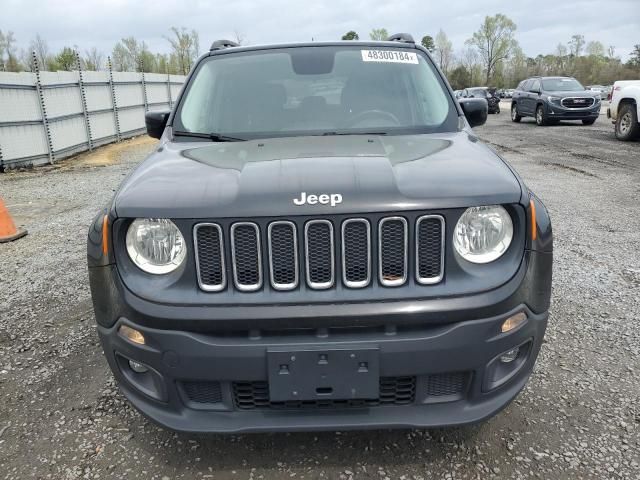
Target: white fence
[(46, 116)]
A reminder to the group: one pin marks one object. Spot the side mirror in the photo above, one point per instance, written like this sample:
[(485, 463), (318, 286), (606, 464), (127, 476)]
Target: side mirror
[(535, 91), (155, 122), (475, 110)]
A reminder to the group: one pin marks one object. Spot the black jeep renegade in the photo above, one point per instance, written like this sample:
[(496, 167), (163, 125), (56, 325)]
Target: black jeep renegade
[(320, 241)]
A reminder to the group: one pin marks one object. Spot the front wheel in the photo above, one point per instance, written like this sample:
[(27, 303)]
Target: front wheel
[(627, 127), (540, 118), (514, 113), (589, 121)]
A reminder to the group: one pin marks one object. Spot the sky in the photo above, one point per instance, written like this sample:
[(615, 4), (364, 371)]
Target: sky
[(542, 24)]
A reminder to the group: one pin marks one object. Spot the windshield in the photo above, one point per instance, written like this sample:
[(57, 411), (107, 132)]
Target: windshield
[(316, 91), (561, 85)]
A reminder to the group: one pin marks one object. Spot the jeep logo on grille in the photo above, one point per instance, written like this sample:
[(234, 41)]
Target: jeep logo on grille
[(332, 199)]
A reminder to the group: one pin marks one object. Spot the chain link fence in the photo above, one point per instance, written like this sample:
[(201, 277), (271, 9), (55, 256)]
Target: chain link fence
[(47, 116)]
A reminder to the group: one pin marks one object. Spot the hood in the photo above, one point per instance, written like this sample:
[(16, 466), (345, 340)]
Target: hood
[(263, 177)]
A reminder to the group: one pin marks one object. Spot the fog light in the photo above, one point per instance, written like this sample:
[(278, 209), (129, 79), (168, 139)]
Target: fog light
[(131, 334), (513, 321), (510, 356), (137, 367)]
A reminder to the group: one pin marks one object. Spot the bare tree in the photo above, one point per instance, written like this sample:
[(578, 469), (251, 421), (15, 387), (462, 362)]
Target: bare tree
[(444, 51), (39, 45), (93, 59), (379, 34), (611, 51), (240, 38), (495, 41), (186, 47), (8, 58), (468, 58), (595, 48), (576, 44)]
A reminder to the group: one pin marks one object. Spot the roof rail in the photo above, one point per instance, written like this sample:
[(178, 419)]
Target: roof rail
[(220, 44), (401, 37)]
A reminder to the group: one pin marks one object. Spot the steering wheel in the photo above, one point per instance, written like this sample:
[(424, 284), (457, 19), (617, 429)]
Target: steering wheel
[(360, 117)]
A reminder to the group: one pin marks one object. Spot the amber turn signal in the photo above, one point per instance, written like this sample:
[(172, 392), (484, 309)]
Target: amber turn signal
[(131, 334), (105, 235), (534, 224), (514, 321)]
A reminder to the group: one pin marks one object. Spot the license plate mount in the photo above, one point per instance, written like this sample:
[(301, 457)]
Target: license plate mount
[(321, 374)]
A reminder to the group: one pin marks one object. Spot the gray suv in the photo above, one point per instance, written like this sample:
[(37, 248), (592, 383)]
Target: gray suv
[(551, 99)]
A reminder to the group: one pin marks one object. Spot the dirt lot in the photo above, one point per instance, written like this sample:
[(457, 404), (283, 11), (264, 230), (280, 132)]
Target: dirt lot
[(61, 416)]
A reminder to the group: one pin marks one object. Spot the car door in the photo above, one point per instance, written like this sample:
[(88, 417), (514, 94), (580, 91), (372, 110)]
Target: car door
[(518, 95), (533, 92)]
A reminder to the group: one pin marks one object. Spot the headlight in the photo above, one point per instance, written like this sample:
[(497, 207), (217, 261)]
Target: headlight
[(155, 245), (554, 99), (483, 234)]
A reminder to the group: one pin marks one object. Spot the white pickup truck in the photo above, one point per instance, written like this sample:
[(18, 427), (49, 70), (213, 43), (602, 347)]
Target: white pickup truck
[(624, 109)]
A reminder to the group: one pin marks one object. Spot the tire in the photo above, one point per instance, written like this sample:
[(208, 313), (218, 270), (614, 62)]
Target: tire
[(541, 120), (514, 113), (627, 126), (589, 121)]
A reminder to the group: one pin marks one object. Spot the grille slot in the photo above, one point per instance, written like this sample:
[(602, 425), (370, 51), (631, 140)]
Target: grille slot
[(392, 250), (393, 391), (447, 386), (356, 252), (209, 251), (320, 254), (247, 260), (203, 392), (283, 255), (429, 249)]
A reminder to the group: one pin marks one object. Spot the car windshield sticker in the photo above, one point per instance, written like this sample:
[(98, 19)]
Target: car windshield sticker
[(389, 56)]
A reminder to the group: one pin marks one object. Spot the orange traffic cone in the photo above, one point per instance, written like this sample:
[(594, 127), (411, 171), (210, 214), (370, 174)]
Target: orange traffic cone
[(8, 230)]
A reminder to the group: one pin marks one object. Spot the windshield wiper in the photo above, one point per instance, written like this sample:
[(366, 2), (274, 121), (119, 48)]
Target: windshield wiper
[(327, 134), (216, 137)]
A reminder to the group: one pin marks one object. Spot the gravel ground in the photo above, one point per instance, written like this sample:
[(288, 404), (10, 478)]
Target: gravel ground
[(62, 417)]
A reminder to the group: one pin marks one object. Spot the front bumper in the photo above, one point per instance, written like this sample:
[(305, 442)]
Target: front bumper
[(446, 348), (466, 349)]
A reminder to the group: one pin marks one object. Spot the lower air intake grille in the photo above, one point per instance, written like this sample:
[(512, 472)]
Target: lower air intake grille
[(447, 385), (393, 391), (203, 392)]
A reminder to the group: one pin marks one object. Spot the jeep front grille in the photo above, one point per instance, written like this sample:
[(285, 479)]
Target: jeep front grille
[(321, 252)]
